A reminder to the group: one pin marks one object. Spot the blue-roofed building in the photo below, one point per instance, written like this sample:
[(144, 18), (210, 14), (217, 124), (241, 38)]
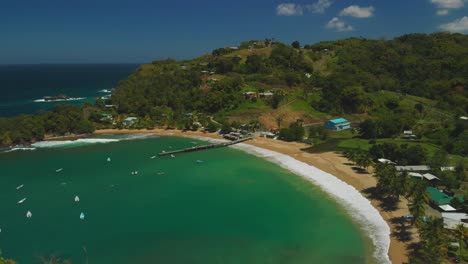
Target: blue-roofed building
[(337, 124)]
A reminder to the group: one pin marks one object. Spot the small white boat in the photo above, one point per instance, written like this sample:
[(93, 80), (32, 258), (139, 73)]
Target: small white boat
[(136, 172), (29, 214), (108, 159), (77, 199), (160, 173), (199, 161), (59, 170), (153, 157), (19, 187), (82, 216), (132, 172), (22, 200), (172, 156)]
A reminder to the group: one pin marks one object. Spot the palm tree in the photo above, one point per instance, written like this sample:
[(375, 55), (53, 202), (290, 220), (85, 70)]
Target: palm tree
[(461, 232), (419, 199), (364, 160), (434, 237)]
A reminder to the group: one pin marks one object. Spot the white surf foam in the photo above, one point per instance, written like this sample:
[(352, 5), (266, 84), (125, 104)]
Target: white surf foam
[(19, 148), (63, 143), (357, 205), (59, 100), (86, 141)]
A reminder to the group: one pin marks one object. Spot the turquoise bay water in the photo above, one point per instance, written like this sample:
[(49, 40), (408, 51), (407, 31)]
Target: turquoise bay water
[(230, 208)]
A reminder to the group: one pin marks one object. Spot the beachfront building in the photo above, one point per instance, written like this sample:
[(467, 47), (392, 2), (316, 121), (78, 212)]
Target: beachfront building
[(129, 121), (413, 168), (453, 219), (441, 200), (337, 124)]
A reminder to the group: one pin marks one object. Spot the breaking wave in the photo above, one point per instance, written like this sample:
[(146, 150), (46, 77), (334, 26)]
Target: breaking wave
[(85, 141), (18, 148), (59, 100)]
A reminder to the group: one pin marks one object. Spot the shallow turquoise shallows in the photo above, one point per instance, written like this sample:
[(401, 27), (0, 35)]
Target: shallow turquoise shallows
[(229, 207)]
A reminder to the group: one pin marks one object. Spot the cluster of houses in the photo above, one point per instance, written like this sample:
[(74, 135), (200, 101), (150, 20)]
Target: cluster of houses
[(440, 198)]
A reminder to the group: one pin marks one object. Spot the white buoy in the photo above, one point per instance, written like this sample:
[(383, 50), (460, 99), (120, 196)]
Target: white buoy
[(77, 199), (82, 216), (29, 214), (172, 156), (108, 159)]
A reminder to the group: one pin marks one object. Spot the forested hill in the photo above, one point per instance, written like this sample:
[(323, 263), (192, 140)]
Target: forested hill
[(415, 81), (432, 66)]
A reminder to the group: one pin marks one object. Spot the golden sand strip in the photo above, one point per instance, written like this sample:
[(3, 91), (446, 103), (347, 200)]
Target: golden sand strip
[(329, 162)]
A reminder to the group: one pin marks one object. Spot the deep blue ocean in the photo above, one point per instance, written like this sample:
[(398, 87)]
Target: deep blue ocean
[(23, 86)]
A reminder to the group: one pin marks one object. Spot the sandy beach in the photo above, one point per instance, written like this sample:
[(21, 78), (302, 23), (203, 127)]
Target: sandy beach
[(330, 162)]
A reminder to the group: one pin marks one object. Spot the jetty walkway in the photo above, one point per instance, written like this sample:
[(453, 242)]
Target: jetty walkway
[(202, 147)]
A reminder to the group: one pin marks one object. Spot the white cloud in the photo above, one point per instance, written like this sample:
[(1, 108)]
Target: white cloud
[(448, 4), (339, 25), (444, 6), (320, 6), (442, 12), (358, 11), (288, 9), (459, 25)]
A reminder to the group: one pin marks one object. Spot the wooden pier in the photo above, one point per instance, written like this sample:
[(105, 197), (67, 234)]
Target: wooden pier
[(202, 147)]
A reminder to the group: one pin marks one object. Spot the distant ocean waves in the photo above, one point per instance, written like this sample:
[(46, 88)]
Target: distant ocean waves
[(18, 148), (60, 100), (78, 142), (105, 91)]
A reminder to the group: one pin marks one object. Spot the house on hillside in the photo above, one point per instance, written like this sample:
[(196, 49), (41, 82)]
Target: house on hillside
[(265, 95), (408, 134), (250, 95), (129, 121), (337, 124)]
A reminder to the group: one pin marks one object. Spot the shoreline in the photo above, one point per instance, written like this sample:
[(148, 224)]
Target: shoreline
[(328, 162)]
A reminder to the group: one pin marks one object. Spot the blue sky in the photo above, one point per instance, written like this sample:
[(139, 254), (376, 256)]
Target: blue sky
[(93, 31)]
